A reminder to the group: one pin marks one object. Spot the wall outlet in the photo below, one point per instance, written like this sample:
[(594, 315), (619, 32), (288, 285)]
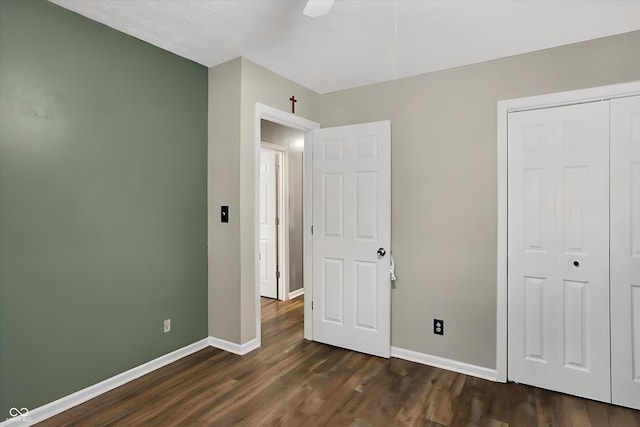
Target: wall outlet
[(438, 327), (167, 325)]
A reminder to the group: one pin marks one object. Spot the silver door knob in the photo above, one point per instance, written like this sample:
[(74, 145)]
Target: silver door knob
[(381, 252)]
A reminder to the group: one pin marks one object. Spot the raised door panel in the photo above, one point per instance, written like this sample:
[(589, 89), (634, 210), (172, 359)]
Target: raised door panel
[(366, 298), (333, 202), (635, 339), (533, 310), (332, 287), (573, 225), (366, 205), (575, 325), (535, 220), (264, 260)]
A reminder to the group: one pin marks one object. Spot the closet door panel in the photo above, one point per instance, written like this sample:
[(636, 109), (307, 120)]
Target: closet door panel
[(625, 251), (558, 249)]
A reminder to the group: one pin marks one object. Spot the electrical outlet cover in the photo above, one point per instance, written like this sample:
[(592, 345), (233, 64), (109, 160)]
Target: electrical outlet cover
[(438, 327)]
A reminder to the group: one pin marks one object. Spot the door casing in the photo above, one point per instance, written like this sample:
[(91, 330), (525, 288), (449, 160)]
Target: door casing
[(266, 112), (503, 109)]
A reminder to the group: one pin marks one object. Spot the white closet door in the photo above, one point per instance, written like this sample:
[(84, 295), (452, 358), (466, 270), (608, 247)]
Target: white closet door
[(558, 249), (625, 251), (268, 235)]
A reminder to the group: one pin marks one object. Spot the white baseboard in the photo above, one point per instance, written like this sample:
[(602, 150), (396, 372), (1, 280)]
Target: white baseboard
[(57, 406), (448, 364), (296, 293), (232, 347), (50, 409)]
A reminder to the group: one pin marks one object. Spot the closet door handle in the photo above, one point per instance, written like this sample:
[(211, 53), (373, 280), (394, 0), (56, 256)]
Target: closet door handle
[(576, 264)]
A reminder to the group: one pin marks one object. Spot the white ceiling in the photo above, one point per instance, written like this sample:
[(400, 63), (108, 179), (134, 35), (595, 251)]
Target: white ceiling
[(360, 41)]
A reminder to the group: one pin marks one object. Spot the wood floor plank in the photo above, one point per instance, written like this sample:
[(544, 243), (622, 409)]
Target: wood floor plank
[(293, 382)]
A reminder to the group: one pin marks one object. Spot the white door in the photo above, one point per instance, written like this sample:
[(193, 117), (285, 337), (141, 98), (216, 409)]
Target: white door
[(352, 236), (625, 251), (268, 244), (558, 249)]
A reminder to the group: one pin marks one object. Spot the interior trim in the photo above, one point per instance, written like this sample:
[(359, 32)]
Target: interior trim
[(296, 293), (272, 114), (234, 348), (444, 363), (67, 402)]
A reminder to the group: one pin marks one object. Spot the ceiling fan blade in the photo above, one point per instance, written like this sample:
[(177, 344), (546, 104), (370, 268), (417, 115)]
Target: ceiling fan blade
[(315, 8)]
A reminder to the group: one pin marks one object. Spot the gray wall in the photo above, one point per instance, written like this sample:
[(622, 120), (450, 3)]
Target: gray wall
[(103, 143), (294, 140), (444, 179), (224, 189), (232, 254)]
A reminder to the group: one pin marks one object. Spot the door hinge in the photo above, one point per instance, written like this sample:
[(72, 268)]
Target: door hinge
[(311, 305), (277, 274), (277, 221), (312, 229)]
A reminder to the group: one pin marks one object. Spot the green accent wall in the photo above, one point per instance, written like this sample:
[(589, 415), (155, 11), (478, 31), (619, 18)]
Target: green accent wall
[(103, 202)]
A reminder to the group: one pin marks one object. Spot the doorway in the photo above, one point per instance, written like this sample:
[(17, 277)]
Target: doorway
[(350, 201), (291, 123), (286, 145)]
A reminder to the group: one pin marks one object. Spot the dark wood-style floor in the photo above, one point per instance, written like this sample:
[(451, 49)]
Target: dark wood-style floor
[(293, 382)]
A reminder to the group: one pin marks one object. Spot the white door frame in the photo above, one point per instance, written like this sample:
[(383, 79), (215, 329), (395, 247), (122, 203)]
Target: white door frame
[(282, 214), (504, 108), (292, 121)]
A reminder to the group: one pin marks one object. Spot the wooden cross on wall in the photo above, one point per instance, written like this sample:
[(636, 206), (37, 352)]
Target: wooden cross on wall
[(293, 104)]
